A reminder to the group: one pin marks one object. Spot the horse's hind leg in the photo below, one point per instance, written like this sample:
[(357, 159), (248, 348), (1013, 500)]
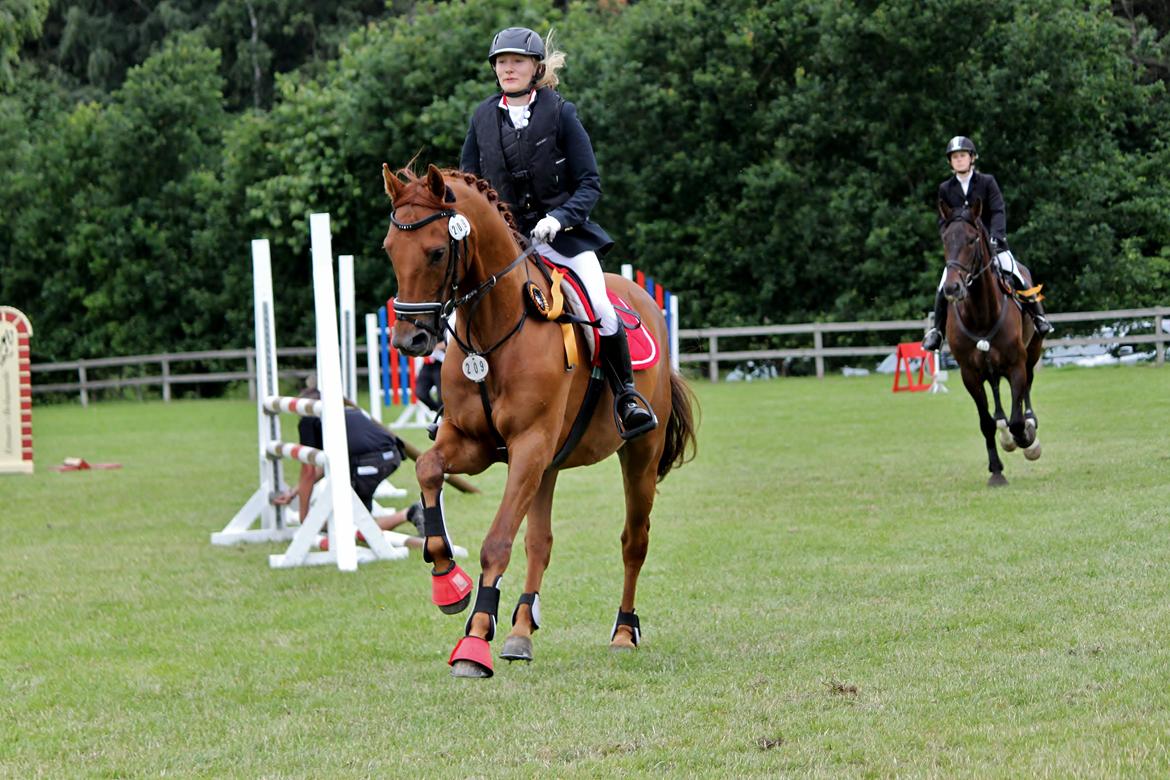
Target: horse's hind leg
[(538, 547), (1031, 423), (974, 385), (639, 470)]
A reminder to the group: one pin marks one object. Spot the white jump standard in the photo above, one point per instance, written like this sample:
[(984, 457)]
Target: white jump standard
[(337, 509)]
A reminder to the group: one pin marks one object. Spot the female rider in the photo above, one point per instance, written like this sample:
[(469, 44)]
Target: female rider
[(527, 141), (963, 188)]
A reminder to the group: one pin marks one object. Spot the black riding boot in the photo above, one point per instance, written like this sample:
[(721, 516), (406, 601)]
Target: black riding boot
[(932, 341), (634, 418), (1036, 310)]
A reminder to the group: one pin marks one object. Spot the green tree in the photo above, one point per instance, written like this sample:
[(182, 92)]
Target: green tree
[(20, 20), (119, 243)]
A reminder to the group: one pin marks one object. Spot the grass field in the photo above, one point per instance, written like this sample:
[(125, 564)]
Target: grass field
[(831, 591)]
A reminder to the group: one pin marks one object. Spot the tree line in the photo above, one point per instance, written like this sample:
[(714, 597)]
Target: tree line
[(769, 161)]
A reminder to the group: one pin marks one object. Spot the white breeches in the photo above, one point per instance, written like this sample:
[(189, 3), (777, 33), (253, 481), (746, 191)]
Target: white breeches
[(1006, 261), (588, 269)]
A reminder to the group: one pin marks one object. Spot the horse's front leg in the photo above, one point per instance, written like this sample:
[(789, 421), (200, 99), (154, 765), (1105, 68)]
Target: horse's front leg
[(1022, 433), (453, 453), (973, 381), (538, 540), (1001, 423), (528, 457)]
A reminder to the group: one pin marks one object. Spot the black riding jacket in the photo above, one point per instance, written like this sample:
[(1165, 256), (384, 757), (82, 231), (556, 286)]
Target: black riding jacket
[(982, 187), (547, 167)]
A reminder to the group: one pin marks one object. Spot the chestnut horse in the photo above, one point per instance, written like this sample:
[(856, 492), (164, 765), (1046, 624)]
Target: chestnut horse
[(989, 336), (509, 396)]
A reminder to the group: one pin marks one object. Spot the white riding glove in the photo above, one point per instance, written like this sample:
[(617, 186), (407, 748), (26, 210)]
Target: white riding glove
[(545, 230)]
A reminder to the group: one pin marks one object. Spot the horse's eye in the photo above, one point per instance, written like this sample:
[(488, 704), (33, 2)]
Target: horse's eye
[(435, 255)]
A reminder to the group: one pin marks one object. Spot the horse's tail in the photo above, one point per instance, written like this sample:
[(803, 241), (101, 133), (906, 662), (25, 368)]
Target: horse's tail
[(681, 444)]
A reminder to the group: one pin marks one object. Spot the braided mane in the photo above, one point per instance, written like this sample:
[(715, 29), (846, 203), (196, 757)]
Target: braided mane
[(418, 193)]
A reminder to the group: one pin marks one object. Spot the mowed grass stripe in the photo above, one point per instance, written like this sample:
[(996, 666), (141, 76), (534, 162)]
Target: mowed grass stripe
[(831, 590)]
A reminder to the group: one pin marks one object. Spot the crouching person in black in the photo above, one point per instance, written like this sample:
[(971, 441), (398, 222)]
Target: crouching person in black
[(374, 454)]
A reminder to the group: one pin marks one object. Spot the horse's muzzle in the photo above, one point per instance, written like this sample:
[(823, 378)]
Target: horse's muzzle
[(414, 342), (955, 291)]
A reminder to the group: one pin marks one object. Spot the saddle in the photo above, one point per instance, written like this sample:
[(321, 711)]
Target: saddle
[(1009, 284), (570, 306)]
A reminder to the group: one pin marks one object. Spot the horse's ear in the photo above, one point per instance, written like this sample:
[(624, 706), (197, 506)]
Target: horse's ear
[(944, 210), (393, 185), (435, 182), (977, 208)]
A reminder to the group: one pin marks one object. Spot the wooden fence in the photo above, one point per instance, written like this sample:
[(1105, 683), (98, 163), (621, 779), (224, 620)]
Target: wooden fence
[(137, 371), (910, 330)]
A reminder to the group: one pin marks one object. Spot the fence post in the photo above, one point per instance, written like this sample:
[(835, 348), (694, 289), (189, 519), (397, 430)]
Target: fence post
[(818, 345), (1159, 345), (713, 358), (81, 383), (166, 379), (250, 362)]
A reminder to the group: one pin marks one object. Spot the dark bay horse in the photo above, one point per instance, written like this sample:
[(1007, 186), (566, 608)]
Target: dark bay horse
[(989, 336), (509, 396)]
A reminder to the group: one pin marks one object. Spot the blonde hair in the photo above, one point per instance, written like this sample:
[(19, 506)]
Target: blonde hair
[(553, 61)]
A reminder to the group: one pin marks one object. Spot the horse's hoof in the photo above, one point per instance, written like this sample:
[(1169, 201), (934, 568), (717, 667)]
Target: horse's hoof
[(472, 657), (517, 648), (457, 607), (622, 643), (1033, 452), (469, 670), (451, 590), (997, 480)]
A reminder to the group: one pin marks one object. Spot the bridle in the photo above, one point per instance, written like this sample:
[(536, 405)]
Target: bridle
[(982, 250), (447, 298)]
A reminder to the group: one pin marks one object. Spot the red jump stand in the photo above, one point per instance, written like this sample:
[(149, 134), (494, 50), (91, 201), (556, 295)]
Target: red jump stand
[(906, 353)]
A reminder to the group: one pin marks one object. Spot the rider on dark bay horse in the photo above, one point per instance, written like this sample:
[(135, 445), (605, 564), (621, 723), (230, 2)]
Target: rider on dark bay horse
[(964, 188), (528, 142)]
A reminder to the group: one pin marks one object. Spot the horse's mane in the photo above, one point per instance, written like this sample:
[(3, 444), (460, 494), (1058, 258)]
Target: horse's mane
[(418, 193)]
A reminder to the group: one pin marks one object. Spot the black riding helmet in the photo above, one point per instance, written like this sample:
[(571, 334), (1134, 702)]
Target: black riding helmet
[(961, 143), (516, 40)]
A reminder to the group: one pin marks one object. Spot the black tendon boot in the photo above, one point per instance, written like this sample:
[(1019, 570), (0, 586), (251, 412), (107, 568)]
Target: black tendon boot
[(1036, 309), (932, 341), (634, 418)]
